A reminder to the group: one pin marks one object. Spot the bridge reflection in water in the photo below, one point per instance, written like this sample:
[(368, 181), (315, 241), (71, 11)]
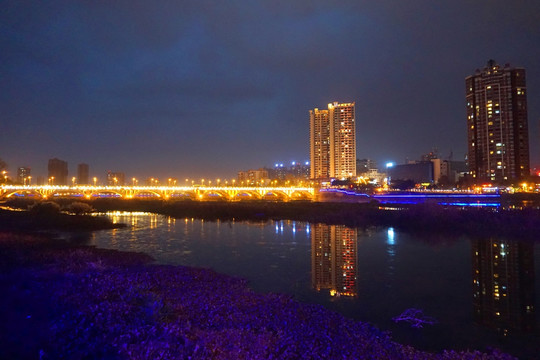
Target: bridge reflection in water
[(202, 193)]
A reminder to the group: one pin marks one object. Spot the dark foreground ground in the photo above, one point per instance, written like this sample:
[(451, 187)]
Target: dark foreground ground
[(68, 301)]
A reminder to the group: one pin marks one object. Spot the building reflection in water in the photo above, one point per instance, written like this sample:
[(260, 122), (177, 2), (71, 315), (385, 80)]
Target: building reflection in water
[(333, 259), (503, 285)]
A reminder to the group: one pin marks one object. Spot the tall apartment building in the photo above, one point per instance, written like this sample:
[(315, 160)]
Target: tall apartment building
[(58, 172), (319, 144), (498, 137), (333, 141)]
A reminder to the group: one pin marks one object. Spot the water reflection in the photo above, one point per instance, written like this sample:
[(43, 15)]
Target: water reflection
[(503, 284), (333, 254), (370, 275)]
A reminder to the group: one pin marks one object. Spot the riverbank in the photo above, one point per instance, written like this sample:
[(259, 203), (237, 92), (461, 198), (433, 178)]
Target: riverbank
[(72, 301), (45, 220), (419, 219)]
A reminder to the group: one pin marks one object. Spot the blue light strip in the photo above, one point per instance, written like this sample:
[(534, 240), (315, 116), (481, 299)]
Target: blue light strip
[(429, 196), (476, 200), (345, 192)]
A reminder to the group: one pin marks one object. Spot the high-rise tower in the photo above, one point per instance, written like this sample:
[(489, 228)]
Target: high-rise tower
[(343, 135), (498, 138), (333, 141), (319, 139), (58, 172)]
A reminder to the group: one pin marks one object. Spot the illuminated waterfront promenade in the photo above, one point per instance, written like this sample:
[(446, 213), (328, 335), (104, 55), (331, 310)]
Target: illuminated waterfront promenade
[(203, 193)]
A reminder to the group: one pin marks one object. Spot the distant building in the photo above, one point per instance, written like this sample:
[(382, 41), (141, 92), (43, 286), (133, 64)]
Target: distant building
[(364, 166), (115, 178), (279, 172), (419, 172), (253, 177), (24, 175), (58, 172), (83, 174), (297, 172), (452, 171), (498, 136), (333, 141)]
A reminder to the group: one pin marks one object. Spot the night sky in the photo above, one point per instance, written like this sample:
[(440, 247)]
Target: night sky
[(207, 88)]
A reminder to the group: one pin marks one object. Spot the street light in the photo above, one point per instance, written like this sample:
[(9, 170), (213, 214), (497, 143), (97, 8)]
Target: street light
[(51, 180), (95, 180), (73, 180)]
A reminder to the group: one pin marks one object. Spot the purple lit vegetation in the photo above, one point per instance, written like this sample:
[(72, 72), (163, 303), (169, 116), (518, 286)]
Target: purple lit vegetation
[(73, 301), (415, 317)]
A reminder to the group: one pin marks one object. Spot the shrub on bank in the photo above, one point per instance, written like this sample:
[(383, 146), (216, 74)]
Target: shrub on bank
[(79, 208), (44, 208)]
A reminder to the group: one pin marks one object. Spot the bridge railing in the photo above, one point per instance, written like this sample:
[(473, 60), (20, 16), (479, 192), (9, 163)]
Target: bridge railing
[(164, 192)]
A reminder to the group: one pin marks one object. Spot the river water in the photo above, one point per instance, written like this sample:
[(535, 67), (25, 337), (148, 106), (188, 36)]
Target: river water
[(480, 293)]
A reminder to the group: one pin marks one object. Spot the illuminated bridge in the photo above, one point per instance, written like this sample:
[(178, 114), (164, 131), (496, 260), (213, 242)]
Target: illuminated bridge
[(201, 193)]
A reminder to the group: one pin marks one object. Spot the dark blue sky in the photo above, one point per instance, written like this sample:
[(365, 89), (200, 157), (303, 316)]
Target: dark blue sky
[(207, 88)]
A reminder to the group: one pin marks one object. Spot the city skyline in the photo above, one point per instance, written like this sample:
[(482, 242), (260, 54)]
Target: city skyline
[(170, 90)]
